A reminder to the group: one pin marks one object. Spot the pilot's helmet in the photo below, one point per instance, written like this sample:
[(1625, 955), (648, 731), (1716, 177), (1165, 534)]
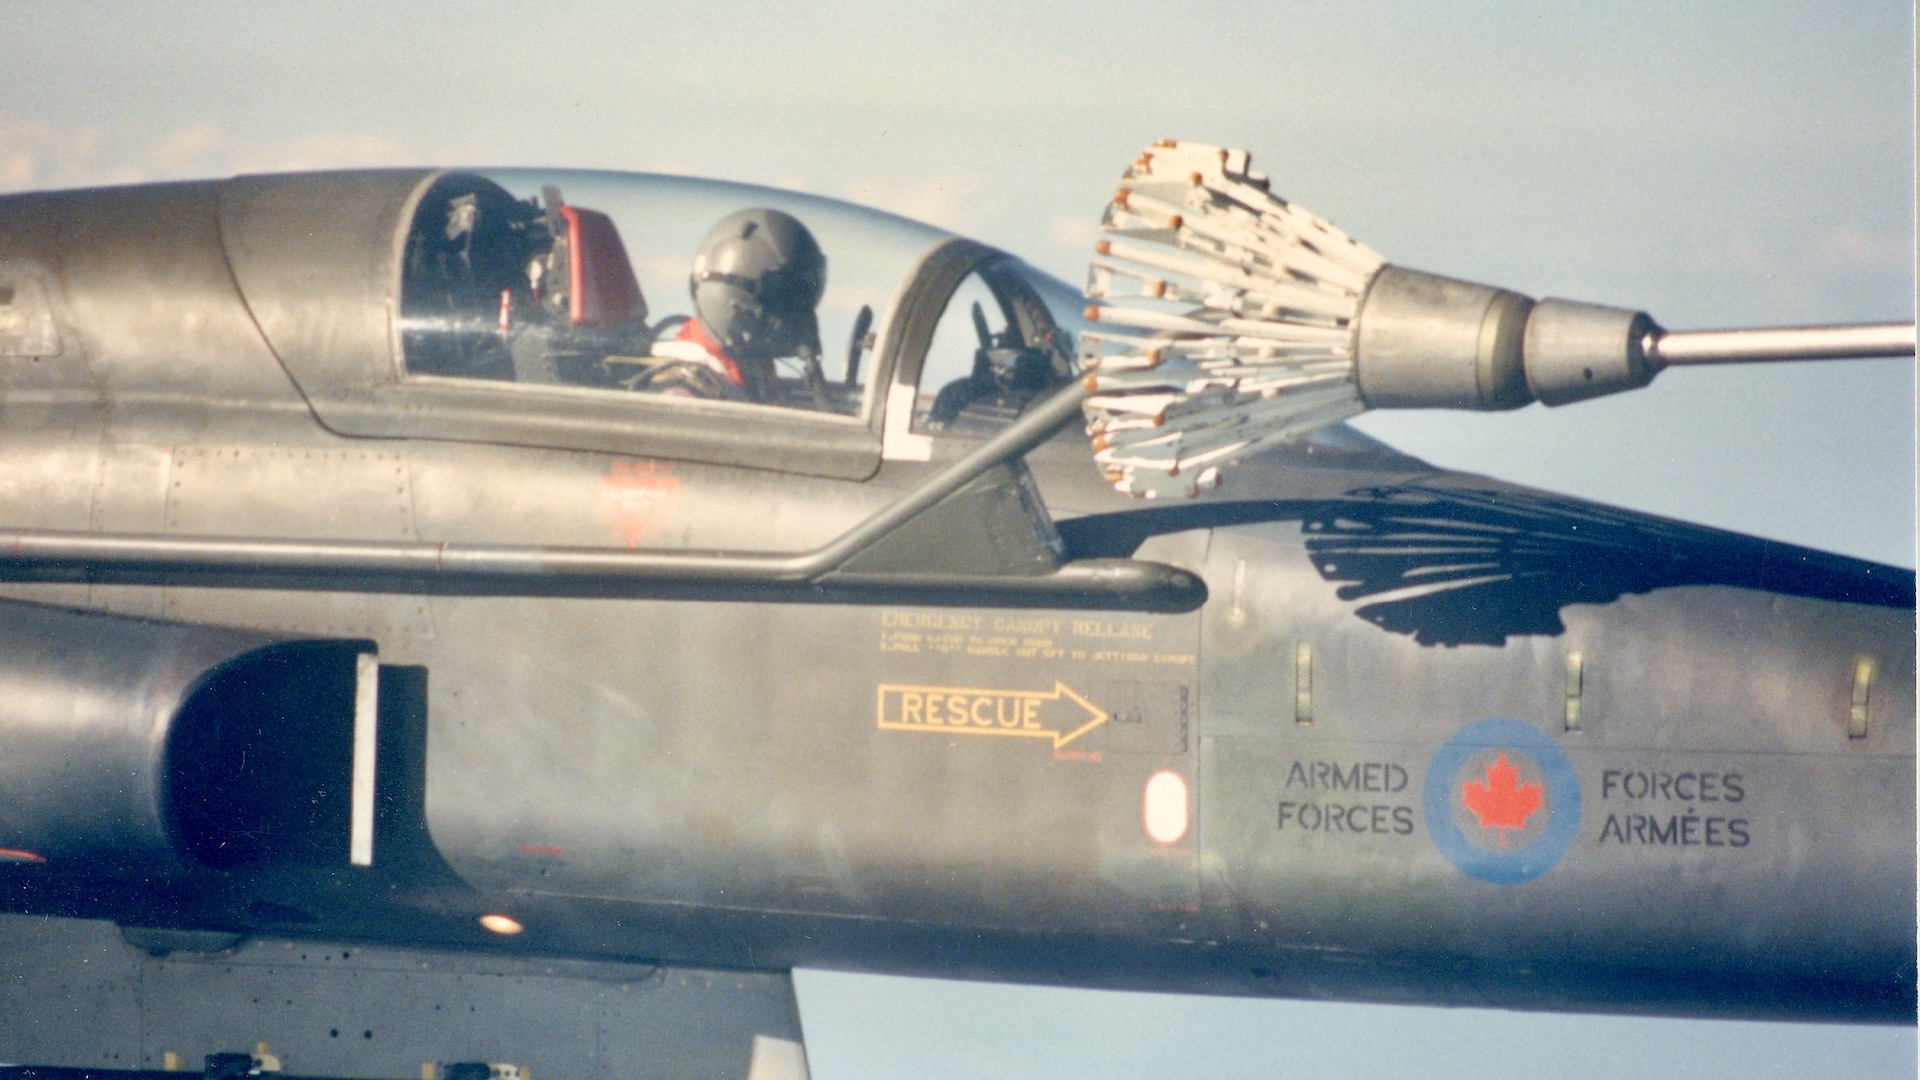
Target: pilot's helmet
[(755, 284)]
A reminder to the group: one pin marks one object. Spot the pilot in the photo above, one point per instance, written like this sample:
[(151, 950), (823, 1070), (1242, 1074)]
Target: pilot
[(756, 281)]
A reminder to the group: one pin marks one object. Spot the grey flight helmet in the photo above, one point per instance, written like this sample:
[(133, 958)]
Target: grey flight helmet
[(756, 281)]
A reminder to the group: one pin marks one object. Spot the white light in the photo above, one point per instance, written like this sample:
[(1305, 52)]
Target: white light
[(501, 924), (1164, 806)]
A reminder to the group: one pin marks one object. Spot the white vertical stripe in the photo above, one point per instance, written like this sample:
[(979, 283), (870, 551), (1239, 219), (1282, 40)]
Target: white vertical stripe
[(366, 725), (897, 440)]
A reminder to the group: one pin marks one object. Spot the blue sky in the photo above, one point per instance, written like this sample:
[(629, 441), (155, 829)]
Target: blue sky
[(1714, 163)]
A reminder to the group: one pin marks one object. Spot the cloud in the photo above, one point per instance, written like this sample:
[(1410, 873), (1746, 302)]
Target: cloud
[(1746, 256), (326, 150), (182, 148), (948, 202), (1850, 247), (1075, 232), (36, 155)]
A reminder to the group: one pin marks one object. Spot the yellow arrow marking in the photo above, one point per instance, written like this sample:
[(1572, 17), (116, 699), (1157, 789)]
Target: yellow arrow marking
[(959, 710)]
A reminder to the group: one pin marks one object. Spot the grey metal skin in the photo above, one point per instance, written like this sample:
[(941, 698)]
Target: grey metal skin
[(726, 774), (352, 1010)]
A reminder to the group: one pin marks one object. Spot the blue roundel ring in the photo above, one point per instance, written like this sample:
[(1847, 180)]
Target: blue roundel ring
[(1563, 802)]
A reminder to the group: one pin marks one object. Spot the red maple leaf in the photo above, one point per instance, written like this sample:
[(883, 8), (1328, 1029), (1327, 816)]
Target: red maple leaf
[(1502, 802)]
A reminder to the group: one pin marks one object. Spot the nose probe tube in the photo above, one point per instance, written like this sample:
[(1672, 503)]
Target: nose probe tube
[(1423, 341), (1673, 348)]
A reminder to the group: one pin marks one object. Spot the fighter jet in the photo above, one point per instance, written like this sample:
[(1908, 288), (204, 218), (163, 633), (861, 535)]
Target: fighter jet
[(487, 622)]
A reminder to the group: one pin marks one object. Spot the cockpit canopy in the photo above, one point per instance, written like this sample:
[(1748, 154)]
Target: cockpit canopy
[(580, 280)]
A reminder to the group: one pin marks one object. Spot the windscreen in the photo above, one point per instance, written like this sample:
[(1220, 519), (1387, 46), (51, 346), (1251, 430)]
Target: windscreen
[(1007, 336)]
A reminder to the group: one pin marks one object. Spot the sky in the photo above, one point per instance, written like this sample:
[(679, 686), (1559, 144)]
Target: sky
[(1713, 163)]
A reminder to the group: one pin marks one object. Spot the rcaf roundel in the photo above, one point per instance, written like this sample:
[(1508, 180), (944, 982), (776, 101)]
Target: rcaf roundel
[(1502, 803)]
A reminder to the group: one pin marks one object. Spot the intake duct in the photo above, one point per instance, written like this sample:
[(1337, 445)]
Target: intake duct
[(129, 745)]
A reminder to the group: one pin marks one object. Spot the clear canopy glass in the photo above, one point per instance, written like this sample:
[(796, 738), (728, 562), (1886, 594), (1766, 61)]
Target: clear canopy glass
[(582, 279)]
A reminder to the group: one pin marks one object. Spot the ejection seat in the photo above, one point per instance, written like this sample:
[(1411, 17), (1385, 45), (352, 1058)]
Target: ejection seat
[(590, 284), (495, 287)]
